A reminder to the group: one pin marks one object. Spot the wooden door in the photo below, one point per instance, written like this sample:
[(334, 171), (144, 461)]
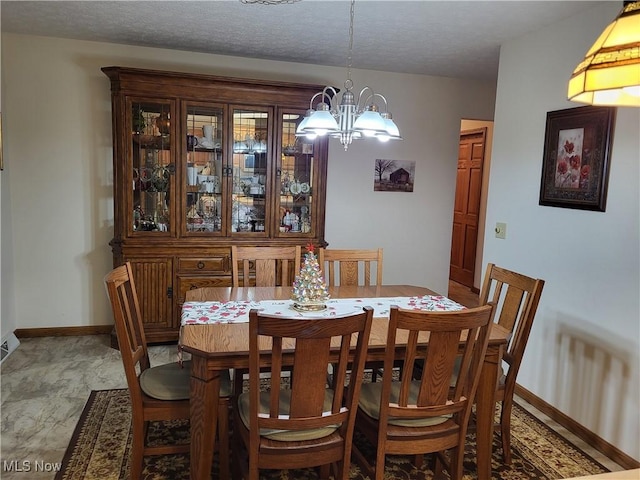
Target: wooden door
[(467, 206)]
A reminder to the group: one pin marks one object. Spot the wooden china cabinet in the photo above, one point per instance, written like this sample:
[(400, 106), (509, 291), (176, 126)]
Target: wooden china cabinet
[(200, 163)]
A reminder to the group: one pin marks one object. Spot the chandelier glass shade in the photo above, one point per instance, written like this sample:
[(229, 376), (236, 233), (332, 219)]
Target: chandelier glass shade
[(610, 72), (364, 116)]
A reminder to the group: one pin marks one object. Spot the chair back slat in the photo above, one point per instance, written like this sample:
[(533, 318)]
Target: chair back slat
[(438, 362), (276, 371), (266, 275), (311, 359)]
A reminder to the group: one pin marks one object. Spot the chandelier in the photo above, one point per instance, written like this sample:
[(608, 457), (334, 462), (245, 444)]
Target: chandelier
[(352, 118), (609, 74)]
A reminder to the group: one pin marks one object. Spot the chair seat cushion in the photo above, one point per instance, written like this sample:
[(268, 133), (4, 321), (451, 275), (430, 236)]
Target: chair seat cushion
[(285, 402), (171, 381), (370, 404)]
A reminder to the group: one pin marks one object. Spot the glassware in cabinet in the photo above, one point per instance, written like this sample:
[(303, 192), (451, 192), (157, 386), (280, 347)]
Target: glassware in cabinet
[(298, 172), (152, 165), (250, 172), (204, 168)]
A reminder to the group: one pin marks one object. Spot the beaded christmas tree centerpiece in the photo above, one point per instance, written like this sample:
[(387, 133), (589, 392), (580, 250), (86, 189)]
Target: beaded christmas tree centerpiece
[(309, 290)]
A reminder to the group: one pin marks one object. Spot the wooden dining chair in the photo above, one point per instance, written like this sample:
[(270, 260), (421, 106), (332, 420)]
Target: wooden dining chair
[(516, 297), (271, 266), (351, 267), (308, 425), (419, 416), (159, 393)]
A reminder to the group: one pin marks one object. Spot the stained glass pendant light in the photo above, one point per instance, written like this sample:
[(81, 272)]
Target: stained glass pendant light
[(609, 74)]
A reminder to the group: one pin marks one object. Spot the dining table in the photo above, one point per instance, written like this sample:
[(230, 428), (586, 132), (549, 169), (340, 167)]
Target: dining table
[(220, 341)]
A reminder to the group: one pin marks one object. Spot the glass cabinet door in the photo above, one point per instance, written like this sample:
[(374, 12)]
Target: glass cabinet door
[(204, 169), (251, 175), (152, 166), (298, 182)]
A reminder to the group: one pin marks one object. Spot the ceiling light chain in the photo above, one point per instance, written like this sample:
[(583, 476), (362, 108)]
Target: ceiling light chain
[(350, 56), (348, 120)]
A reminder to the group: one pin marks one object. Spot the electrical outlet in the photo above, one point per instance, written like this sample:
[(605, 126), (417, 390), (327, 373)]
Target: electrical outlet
[(501, 230)]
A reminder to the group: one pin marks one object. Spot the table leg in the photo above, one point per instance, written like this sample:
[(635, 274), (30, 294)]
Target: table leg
[(205, 388), (485, 411)]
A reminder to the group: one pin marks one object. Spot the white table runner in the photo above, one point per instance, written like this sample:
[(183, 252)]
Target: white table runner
[(238, 312)]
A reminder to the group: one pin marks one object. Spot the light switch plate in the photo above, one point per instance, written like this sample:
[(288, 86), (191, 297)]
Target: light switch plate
[(501, 230)]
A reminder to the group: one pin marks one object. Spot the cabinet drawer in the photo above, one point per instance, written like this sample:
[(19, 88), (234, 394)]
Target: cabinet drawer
[(201, 265)]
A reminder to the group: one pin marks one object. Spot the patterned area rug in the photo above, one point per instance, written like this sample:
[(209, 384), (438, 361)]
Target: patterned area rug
[(100, 447)]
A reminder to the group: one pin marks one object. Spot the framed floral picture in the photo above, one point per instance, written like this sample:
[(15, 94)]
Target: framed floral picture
[(575, 164)]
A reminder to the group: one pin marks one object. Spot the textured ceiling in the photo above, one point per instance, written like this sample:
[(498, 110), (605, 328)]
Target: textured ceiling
[(443, 38)]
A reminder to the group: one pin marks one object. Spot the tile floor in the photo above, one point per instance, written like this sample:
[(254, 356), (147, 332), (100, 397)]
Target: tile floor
[(45, 384)]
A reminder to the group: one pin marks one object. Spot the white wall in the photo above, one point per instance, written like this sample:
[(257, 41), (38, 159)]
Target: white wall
[(60, 205), (582, 355)]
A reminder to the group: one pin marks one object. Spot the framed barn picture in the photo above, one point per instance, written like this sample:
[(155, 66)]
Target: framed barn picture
[(393, 175)]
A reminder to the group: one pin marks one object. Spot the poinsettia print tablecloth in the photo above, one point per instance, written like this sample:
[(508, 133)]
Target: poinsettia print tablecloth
[(238, 312)]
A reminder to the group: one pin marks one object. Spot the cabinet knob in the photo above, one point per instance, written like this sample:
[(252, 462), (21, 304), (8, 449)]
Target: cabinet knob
[(193, 287), (200, 265)]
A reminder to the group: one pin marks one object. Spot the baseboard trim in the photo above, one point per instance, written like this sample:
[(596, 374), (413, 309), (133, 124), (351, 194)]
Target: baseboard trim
[(63, 331), (579, 430)]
